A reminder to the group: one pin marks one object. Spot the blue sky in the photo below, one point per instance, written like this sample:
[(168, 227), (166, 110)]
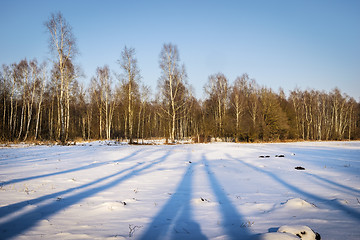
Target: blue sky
[(280, 43)]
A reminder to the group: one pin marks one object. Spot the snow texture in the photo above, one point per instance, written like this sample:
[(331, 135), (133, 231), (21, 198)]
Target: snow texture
[(108, 190)]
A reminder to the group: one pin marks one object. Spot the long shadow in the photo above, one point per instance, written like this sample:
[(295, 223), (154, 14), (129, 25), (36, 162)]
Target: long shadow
[(332, 203), (344, 188), (90, 166), (332, 155), (20, 224), (32, 153), (177, 214), (9, 209), (231, 220)]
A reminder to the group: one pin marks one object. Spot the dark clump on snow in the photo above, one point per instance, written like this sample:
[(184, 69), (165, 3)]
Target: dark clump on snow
[(280, 155), (264, 156), (303, 232), (299, 168)]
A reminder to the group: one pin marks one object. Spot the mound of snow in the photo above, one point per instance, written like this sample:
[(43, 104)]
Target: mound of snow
[(297, 203), (291, 232), (304, 232)]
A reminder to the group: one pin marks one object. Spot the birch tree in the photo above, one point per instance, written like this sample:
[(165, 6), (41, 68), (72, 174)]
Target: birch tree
[(253, 105), (101, 92), (22, 79), (130, 85), (238, 100), (7, 91), (34, 71), (63, 47), (40, 93), (3, 100), (217, 90), (172, 85), (145, 95)]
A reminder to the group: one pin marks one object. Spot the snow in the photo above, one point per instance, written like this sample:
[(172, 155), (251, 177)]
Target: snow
[(278, 236), (109, 190)]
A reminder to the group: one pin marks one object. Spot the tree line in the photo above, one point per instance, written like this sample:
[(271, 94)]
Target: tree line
[(44, 101)]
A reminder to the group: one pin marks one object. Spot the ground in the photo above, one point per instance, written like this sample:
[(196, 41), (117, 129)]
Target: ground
[(104, 190)]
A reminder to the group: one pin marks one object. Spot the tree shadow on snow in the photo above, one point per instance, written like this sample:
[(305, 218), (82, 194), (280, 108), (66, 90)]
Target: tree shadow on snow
[(176, 216), (335, 185), (90, 166), (231, 220), (326, 155), (9, 209), (332, 203), (25, 221)]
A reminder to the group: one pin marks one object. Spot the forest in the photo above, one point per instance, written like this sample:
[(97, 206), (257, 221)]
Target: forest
[(46, 102)]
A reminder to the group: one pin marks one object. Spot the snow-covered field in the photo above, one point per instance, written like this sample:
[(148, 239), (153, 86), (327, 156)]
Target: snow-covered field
[(190, 191)]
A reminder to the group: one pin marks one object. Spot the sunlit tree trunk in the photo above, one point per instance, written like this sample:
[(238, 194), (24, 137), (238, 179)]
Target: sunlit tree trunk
[(172, 86), (62, 45), (30, 110), (42, 87), (131, 76)]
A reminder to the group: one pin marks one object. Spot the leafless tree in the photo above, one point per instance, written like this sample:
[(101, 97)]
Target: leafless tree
[(238, 100), (144, 99), (101, 92), (32, 86), (172, 85), (130, 78), (7, 91), (217, 90), (63, 47), (41, 88), (253, 105)]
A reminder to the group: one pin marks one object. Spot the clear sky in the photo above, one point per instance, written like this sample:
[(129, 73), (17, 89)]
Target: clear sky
[(280, 43)]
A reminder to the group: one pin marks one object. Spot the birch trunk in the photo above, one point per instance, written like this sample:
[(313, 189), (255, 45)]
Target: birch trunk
[(30, 109), (23, 108), (12, 108), (42, 87)]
